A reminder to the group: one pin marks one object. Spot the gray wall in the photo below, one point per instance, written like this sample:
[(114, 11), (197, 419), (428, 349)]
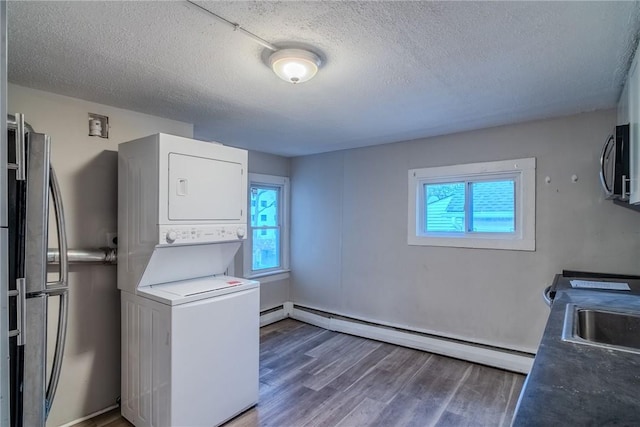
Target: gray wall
[(272, 293), (349, 228)]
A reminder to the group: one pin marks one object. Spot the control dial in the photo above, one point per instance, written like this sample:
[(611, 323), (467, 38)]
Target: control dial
[(171, 236), (240, 233)]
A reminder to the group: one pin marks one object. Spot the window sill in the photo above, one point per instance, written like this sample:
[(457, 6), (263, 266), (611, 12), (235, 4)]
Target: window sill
[(271, 276), (476, 242)]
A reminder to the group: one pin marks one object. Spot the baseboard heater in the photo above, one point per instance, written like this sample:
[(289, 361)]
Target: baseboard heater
[(272, 315), (511, 360)]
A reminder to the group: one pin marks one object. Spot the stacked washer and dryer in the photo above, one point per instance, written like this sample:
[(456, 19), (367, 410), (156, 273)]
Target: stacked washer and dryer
[(190, 334)]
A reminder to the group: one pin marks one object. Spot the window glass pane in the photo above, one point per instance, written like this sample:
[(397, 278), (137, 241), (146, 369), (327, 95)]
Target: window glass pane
[(493, 206), (264, 206), (444, 210), (266, 249)]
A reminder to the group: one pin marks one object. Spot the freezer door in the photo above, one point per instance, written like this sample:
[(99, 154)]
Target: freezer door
[(4, 330), (35, 362), (4, 312), (3, 127), (36, 240)]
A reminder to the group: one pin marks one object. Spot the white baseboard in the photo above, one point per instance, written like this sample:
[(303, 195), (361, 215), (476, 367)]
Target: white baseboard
[(288, 308), (272, 317), (503, 359), (313, 319), (478, 354), (95, 414)]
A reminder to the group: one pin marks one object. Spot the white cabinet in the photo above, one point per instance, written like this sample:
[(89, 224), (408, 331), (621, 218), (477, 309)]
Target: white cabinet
[(634, 131), (629, 112)]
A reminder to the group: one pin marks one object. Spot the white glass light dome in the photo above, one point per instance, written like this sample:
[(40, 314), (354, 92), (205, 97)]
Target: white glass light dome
[(294, 65)]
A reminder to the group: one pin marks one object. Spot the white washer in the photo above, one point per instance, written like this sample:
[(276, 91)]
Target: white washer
[(192, 351), (190, 335)]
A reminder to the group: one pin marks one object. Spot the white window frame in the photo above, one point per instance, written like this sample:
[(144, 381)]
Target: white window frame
[(522, 171), (282, 271)]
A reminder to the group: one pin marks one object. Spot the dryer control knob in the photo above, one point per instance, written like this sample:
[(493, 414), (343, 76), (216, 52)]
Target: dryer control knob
[(240, 233), (171, 236)]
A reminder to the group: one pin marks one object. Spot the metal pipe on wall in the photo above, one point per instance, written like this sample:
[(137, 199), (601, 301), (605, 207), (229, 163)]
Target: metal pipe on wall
[(85, 256)]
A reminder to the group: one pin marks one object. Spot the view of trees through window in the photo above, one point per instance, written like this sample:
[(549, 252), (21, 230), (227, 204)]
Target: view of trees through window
[(265, 223)]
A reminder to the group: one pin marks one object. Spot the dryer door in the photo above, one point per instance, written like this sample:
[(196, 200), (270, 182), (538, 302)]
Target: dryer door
[(204, 189)]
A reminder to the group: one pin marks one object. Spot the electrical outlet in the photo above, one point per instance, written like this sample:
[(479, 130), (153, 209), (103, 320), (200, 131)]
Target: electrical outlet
[(111, 239)]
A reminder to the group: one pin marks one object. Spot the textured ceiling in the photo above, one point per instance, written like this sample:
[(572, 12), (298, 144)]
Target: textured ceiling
[(393, 70)]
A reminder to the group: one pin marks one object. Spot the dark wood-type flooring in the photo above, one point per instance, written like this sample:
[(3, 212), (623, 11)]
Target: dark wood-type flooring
[(313, 377)]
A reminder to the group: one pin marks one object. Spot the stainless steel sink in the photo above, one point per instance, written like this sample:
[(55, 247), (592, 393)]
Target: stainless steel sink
[(602, 327)]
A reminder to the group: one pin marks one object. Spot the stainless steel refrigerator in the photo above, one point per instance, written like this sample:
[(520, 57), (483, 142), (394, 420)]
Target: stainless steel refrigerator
[(31, 187)]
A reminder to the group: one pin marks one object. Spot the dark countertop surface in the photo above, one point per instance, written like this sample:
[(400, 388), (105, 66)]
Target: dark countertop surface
[(577, 384)]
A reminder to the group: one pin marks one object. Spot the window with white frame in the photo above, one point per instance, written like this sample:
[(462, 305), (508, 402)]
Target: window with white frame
[(477, 205), (266, 250)]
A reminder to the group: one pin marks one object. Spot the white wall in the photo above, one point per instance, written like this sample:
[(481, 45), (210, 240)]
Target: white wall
[(87, 170), (349, 227), (273, 293)]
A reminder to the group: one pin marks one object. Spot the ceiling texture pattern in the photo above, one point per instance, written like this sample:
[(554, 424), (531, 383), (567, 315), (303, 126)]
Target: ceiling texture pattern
[(392, 71)]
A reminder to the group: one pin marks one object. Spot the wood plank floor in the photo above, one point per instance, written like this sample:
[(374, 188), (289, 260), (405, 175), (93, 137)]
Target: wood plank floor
[(311, 377)]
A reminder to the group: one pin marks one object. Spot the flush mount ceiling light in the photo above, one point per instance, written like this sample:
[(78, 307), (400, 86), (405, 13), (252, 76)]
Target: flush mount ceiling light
[(291, 65), (294, 65)]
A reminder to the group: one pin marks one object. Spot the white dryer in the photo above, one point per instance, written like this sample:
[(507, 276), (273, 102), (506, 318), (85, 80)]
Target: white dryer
[(190, 334)]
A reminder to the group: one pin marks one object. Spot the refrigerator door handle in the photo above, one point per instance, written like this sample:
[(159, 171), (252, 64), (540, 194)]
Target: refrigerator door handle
[(58, 352), (19, 165), (21, 311), (56, 197), (61, 286)]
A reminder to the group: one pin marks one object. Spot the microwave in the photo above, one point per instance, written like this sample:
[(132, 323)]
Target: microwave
[(614, 164)]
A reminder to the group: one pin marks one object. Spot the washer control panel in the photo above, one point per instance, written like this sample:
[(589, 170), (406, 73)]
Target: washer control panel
[(181, 234)]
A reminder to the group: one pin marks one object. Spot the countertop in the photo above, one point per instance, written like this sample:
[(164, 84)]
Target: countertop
[(582, 385)]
